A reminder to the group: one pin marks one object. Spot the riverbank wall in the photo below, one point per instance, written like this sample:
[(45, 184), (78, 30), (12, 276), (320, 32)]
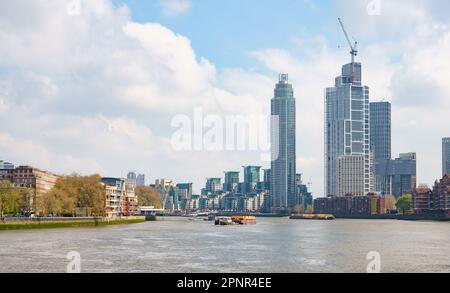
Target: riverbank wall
[(51, 223)]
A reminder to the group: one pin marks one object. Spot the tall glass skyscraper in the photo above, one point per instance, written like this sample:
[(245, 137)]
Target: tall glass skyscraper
[(380, 140), (283, 168), (347, 125), (445, 156)]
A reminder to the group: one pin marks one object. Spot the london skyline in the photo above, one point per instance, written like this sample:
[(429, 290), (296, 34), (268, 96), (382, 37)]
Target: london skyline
[(56, 116)]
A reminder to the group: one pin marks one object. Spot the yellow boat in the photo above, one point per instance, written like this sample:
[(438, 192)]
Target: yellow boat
[(243, 220), (312, 217)]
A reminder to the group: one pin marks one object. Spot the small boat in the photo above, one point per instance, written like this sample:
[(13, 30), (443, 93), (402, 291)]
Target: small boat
[(210, 218), (223, 221), (312, 217), (244, 220)]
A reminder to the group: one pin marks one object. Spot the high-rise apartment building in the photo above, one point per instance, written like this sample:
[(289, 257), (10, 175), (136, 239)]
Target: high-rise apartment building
[(347, 126), (213, 185), (404, 174), (350, 175), (231, 181), (140, 180), (380, 140), (283, 166), (445, 156), (252, 175)]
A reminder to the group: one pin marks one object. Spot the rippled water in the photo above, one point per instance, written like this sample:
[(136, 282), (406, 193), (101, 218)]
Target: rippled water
[(273, 245)]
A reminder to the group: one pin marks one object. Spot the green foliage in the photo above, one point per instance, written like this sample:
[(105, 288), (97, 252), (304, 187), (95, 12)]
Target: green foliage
[(148, 196), (9, 199), (72, 193), (404, 203)]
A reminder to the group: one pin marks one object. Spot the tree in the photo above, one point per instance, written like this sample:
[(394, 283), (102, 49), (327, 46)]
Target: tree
[(9, 198), (404, 203), (74, 192), (91, 196), (148, 196)]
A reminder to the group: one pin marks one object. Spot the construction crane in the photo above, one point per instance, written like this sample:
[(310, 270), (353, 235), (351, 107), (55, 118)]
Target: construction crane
[(353, 48)]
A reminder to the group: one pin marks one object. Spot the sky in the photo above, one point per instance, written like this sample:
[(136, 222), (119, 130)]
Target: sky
[(93, 86)]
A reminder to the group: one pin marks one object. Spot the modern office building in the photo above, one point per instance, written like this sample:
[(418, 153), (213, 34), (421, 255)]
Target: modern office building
[(140, 180), (131, 175), (283, 166), (252, 175), (6, 165), (445, 156), (404, 174), (213, 185), (380, 140), (380, 130), (350, 175), (231, 181), (347, 126), (267, 175)]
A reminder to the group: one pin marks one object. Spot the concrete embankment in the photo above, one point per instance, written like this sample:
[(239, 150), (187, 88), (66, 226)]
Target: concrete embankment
[(50, 223)]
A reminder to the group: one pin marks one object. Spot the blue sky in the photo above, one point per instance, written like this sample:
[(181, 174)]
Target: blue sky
[(224, 31)]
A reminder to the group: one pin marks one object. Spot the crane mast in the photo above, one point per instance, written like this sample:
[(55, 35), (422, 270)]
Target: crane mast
[(353, 49)]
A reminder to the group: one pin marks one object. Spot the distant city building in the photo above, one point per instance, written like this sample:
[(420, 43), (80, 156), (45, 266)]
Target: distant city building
[(6, 165), (283, 166), (252, 175), (433, 202), (183, 194), (380, 139), (39, 181), (349, 205), (404, 174), (131, 175), (347, 126), (445, 156), (267, 176), (165, 188), (231, 181), (140, 180), (441, 195), (213, 185), (422, 200), (350, 175)]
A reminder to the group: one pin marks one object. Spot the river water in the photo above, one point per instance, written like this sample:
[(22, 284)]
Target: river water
[(272, 245)]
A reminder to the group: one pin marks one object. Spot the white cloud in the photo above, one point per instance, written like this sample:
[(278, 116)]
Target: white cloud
[(103, 89), (175, 7), (96, 92)]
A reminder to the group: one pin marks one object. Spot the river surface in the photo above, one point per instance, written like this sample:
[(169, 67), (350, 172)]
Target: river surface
[(274, 245)]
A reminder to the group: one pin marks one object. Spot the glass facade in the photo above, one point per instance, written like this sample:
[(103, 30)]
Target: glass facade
[(445, 156), (380, 139), (283, 167), (347, 126)]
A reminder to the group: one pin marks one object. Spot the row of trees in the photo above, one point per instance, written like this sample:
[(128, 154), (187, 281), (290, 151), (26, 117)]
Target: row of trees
[(148, 196), (13, 200), (74, 195)]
